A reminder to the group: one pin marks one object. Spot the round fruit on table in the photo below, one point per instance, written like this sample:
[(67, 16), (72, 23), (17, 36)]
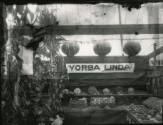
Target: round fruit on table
[(77, 91), (106, 91), (131, 90), (158, 117)]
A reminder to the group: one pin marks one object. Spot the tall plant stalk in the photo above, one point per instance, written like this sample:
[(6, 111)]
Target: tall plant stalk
[(23, 99), (16, 17), (52, 43)]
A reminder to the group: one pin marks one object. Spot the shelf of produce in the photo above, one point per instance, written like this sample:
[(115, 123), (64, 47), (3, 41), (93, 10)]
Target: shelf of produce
[(142, 114), (94, 115), (131, 117), (117, 95)]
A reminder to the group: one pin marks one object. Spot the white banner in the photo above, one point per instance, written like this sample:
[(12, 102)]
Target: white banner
[(99, 67), (27, 56)]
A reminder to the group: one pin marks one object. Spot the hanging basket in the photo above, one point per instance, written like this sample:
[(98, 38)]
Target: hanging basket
[(70, 48), (132, 48), (102, 48)]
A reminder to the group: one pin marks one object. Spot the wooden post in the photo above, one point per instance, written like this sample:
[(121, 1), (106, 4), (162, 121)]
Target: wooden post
[(154, 46), (120, 22), (3, 38)]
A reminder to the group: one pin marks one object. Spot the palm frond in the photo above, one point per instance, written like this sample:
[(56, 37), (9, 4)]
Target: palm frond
[(47, 18)]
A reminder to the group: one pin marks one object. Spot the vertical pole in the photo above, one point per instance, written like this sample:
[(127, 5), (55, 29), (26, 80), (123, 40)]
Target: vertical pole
[(154, 46), (3, 36), (120, 22), (154, 79), (153, 18)]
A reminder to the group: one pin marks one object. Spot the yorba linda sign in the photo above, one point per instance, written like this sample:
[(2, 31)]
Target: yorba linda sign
[(99, 67)]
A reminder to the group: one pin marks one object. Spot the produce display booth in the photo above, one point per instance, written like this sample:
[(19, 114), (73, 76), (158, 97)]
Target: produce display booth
[(112, 73), (41, 85)]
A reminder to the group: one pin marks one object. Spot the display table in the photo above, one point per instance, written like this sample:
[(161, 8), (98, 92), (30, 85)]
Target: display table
[(94, 116), (101, 116), (140, 114), (131, 118)]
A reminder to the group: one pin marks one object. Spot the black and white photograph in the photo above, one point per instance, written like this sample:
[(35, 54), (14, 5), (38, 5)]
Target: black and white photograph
[(86, 62)]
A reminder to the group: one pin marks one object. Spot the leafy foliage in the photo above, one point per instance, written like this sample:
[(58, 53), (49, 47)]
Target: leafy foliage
[(23, 94), (47, 18)]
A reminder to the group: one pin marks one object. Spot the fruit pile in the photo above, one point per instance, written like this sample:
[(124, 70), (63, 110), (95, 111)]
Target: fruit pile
[(144, 114), (154, 102), (137, 108)]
